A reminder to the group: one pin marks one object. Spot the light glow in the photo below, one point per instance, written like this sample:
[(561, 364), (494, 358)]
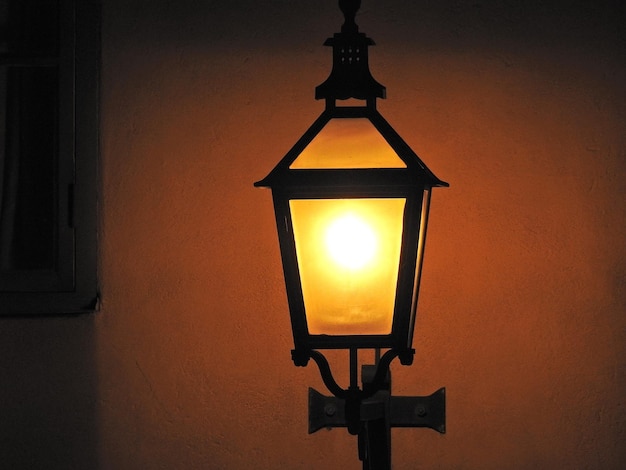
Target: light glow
[(351, 242)]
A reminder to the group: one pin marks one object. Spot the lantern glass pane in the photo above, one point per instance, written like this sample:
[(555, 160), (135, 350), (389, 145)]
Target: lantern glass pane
[(420, 257), (348, 143), (348, 254)]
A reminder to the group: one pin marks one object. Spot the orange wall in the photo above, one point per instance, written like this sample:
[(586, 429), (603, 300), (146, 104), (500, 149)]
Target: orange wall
[(522, 314)]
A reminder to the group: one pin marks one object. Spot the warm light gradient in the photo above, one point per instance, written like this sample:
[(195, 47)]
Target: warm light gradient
[(348, 143), (348, 255)]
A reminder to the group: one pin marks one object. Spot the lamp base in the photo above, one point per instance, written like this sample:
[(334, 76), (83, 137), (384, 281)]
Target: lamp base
[(377, 415)]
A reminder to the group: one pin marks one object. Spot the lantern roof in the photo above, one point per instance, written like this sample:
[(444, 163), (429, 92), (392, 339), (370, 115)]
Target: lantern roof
[(368, 153)]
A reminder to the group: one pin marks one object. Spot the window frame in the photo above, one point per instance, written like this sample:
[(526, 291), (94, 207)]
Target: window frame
[(76, 290)]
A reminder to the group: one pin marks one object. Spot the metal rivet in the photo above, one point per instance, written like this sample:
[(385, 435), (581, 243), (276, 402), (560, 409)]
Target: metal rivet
[(330, 410)]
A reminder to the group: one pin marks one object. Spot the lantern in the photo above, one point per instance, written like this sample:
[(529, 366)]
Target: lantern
[(351, 201)]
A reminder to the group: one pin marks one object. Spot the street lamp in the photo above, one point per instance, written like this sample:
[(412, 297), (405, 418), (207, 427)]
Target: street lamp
[(351, 201)]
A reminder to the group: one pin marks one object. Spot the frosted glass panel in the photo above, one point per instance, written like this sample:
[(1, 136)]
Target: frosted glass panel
[(348, 254), (348, 143)]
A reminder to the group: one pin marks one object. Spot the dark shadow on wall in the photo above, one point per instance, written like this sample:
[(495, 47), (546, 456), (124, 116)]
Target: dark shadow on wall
[(48, 386)]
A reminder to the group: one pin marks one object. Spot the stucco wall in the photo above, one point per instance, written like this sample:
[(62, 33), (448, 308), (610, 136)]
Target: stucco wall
[(521, 107)]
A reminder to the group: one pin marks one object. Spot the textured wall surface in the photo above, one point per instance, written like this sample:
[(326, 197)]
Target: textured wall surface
[(521, 106)]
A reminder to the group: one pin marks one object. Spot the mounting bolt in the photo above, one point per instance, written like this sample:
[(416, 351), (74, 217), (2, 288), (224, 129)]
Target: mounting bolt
[(420, 410), (330, 410)]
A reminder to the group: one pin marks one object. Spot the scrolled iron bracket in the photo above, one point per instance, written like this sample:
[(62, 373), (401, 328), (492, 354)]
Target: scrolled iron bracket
[(301, 359)]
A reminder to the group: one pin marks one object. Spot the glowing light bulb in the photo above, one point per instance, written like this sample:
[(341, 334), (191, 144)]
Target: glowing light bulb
[(351, 242)]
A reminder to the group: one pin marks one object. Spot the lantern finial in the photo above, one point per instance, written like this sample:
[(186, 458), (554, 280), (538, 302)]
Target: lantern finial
[(349, 9)]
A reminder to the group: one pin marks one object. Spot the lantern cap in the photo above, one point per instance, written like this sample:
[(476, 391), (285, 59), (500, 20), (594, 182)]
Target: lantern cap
[(350, 76)]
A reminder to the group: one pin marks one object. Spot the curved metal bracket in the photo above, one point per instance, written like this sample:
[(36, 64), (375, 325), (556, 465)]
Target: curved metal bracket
[(380, 377), (376, 384), (327, 375)]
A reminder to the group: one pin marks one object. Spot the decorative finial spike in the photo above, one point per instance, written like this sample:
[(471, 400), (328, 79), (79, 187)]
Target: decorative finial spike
[(349, 9)]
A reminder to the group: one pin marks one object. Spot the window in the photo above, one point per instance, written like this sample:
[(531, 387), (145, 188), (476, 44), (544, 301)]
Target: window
[(49, 59)]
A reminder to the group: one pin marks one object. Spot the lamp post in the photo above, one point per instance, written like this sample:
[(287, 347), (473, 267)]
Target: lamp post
[(351, 201)]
